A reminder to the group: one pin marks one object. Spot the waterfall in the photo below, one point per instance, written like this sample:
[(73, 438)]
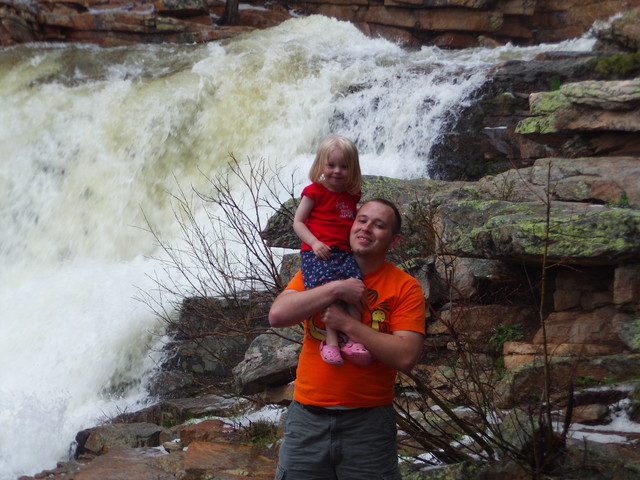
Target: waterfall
[(93, 140)]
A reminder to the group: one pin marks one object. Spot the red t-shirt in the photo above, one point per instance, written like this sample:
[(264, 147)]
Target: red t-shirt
[(395, 301), (331, 217)]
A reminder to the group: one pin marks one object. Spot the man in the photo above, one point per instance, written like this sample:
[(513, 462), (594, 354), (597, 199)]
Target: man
[(341, 424)]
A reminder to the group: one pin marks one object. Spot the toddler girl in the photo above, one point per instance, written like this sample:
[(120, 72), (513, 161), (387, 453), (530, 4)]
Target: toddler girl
[(323, 221)]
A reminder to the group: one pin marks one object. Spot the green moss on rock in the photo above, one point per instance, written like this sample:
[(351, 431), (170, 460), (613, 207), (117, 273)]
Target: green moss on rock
[(496, 229), (548, 102), (542, 124)]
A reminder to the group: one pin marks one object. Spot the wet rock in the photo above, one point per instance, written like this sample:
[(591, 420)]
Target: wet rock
[(624, 32), (105, 438), (218, 461), (123, 463)]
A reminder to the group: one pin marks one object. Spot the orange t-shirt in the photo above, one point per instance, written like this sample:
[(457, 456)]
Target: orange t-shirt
[(395, 302)]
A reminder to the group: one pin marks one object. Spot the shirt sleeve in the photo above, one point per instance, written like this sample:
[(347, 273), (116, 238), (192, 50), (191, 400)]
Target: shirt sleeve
[(296, 282), (312, 191), (411, 310)]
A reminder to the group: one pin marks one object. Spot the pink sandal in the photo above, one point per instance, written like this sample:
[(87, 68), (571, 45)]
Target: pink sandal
[(330, 354), (356, 353)]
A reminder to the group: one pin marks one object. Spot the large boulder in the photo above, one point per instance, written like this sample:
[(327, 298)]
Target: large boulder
[(623, 32), (104, 438), (603, 180), (578, 233), (585, 106), (271, 359), (585, 118)]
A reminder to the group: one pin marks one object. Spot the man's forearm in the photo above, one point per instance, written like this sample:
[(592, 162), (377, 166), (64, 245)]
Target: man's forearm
[(399, 350), (292, 307)]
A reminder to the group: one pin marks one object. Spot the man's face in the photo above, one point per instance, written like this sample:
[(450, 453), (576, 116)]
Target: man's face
[(372, 231)]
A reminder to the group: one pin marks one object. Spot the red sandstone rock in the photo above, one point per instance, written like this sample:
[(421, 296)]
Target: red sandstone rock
[(450, 24), (517, 353), (581, 327), (206, 431)]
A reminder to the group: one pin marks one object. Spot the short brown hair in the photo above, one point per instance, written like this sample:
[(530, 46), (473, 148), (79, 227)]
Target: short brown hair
[(396, 213)]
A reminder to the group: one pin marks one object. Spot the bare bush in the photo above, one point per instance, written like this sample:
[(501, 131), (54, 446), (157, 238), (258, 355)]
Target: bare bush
[(469, 424), (219, 279)]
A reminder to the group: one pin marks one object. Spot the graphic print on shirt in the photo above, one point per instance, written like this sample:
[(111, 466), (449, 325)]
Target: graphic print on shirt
[(379, 314), (344, 210)]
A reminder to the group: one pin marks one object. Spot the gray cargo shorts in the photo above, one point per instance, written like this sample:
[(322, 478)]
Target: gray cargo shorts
[(327, 444)]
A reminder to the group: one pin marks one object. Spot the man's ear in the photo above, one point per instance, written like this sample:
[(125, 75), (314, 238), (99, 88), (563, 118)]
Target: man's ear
[(395, 240)]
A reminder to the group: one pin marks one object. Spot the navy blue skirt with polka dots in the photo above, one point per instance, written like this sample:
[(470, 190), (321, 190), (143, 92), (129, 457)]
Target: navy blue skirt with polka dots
[(340, 266)]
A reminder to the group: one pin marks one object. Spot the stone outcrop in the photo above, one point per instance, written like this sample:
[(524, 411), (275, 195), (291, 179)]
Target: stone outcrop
[(460, 24), (253, 375), (522, 115), (493, 232), (141, 451), (116, 22)]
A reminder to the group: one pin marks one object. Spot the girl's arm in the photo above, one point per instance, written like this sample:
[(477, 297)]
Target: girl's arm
[(302, 213)]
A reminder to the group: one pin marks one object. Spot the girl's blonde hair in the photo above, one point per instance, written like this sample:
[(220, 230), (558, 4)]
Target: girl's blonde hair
[(350, 154)]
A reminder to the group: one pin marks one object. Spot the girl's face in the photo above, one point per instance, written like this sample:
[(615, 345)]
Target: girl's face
[(336, 172)]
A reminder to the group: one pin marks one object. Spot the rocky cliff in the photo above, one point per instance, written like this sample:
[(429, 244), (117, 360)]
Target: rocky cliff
[(445, 23)]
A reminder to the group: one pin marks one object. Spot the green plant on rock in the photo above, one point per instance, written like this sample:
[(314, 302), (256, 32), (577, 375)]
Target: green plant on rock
[(555, 83), (260, 433), (622, 65), (504, 333), (623, 202)]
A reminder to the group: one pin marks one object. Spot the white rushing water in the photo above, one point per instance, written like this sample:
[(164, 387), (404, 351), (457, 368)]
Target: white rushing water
[(91, 141)]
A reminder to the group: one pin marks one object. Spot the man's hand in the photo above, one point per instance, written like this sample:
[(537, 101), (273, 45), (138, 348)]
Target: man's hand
[(399, 350), (353, 291), (335, 316)]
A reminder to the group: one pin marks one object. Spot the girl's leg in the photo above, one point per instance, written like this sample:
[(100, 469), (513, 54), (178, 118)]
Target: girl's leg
[(332, 337), (355, 352), (329, 349)]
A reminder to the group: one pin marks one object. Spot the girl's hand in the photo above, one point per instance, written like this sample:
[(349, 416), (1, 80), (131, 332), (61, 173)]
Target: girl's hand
[(321, 250)]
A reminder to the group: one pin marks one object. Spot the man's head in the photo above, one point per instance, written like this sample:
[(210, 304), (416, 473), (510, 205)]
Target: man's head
[(375, 230)]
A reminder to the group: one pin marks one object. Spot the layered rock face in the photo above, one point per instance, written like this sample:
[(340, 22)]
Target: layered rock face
[(466, 23), (445, 23), (117, 22)]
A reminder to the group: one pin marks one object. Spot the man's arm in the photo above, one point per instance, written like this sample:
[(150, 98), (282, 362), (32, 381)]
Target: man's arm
[(401, 350), (293, 306)]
